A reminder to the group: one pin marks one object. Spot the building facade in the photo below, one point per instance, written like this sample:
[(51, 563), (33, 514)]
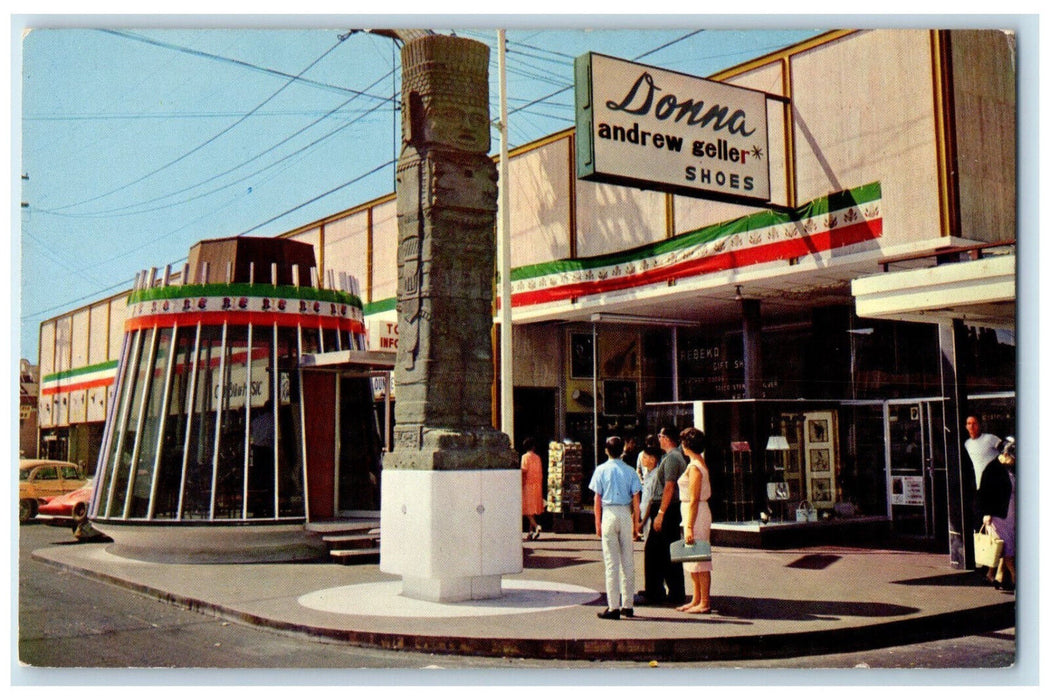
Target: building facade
[(856, 318)]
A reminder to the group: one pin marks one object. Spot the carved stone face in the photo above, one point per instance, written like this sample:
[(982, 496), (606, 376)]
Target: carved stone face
[(456, 125)]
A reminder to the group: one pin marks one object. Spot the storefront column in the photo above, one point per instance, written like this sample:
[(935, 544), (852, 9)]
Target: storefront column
[(752, 348), (961, 482)]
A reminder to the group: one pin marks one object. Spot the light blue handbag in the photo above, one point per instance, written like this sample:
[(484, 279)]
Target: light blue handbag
[(697, 551)]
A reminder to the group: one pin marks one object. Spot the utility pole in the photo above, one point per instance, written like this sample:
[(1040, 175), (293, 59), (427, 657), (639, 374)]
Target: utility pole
[(506, 334)]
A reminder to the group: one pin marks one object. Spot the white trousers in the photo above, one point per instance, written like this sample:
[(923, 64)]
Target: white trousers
[(618, 552)]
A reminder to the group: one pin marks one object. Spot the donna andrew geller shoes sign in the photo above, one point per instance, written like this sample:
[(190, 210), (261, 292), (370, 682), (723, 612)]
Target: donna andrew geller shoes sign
[(645, 127)]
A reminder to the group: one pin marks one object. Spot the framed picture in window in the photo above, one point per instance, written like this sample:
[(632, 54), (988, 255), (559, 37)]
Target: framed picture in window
[(621, 397), (820, 492), (581, 355), (818, 431), (819, 459)]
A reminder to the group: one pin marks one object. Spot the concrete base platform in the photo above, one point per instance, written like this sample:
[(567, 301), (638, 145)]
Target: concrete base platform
[(767, 603)]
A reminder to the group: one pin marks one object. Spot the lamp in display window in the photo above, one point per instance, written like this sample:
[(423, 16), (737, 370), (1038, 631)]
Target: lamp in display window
[(778, 490)]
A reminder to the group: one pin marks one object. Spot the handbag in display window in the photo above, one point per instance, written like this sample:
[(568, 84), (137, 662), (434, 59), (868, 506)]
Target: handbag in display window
[(805, 513), (987, 547), (697, 551)]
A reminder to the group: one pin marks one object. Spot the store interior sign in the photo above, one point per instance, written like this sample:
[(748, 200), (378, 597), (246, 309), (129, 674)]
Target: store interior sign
[(646, 127)]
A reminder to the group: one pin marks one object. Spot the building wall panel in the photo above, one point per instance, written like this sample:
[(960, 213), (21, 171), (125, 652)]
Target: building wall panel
[(985, 95), (63, 343), (80, 340), (770, 80), (97, 402), (610, 218), (313, 237), (346, 246), (384, 257), (539, 204), (46, 361), (47, 411), (118, 314), (864, 112), (77, 406), (98, 342), (537, 356)]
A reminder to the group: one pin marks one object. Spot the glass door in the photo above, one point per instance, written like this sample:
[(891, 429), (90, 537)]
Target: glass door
[(917, 474)]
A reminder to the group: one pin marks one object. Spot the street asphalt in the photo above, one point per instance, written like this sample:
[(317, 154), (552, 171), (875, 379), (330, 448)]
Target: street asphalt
[(767, 603)]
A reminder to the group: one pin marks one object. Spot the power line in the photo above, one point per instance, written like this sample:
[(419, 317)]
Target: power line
[(317, 198), (117, 210), (168, 116), (243, 64), (532, 72), (670, 43), (129, 282), (208, 141)]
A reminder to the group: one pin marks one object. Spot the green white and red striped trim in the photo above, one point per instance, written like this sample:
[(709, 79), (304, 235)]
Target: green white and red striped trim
[(102, 374), (241, 304), (839, 220)]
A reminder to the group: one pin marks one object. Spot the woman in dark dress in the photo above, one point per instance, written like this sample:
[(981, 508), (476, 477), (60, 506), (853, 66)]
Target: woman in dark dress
[(995, 500)]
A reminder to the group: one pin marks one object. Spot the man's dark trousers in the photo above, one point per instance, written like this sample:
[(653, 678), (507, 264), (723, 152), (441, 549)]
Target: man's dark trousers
[(660, 571)]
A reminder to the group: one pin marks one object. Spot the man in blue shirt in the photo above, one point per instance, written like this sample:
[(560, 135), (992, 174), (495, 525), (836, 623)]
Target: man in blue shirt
[(616, 487)]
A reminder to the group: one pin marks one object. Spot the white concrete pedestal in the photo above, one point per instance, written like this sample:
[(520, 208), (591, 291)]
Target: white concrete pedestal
[(451, 535)]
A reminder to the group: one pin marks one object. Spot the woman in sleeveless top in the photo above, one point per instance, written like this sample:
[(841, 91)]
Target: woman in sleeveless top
[(531, 487), (695, 489)]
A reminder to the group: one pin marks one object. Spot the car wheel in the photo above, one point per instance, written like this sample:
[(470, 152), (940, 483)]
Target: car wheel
[(26, 510), (80, 511)]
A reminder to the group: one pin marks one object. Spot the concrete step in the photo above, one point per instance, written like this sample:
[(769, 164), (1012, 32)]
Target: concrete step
[(343, 539), (343, 526), (354, 556)]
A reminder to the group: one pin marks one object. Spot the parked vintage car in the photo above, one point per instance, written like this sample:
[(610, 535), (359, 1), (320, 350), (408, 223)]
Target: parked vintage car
[(71, 509), (40, 480)]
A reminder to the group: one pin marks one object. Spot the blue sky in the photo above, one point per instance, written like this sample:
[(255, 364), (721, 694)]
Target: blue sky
[(136, 143)]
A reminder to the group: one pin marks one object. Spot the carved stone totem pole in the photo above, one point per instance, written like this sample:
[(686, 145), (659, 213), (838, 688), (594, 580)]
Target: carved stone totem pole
[(451, 489)]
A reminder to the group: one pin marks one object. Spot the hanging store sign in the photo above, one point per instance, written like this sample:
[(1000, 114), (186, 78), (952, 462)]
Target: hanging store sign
[(645, 127)]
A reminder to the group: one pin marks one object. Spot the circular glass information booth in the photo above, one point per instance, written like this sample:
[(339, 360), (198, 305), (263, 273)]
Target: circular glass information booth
[(203, 452)]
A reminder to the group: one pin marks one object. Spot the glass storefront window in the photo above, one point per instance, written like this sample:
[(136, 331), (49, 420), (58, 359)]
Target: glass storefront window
[(991, 363), (262, 427), (209, 427), (290, 501), (657, 365), (169, 475), (127, 445), (116, 439), (895, 360), (200, 448), (152, 418), (834, 461), (229, 397)]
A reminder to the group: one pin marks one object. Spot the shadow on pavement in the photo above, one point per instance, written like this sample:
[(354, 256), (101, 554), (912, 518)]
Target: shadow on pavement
[(965, 579), (814, 561), (803, 610)]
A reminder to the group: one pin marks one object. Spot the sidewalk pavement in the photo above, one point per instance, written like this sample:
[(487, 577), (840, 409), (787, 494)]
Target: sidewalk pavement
[(766, 603)]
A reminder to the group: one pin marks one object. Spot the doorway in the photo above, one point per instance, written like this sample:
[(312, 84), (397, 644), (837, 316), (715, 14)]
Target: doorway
[(359, 448), (535, 416), (918, 478)]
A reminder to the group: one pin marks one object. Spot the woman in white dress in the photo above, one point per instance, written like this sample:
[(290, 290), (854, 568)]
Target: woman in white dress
[(695, 489)]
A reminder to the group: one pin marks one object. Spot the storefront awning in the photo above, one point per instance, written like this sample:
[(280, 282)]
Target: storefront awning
[(359, 360), (981, 292)]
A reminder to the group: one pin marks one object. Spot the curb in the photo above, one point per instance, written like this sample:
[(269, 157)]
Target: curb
[(760, 646)]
